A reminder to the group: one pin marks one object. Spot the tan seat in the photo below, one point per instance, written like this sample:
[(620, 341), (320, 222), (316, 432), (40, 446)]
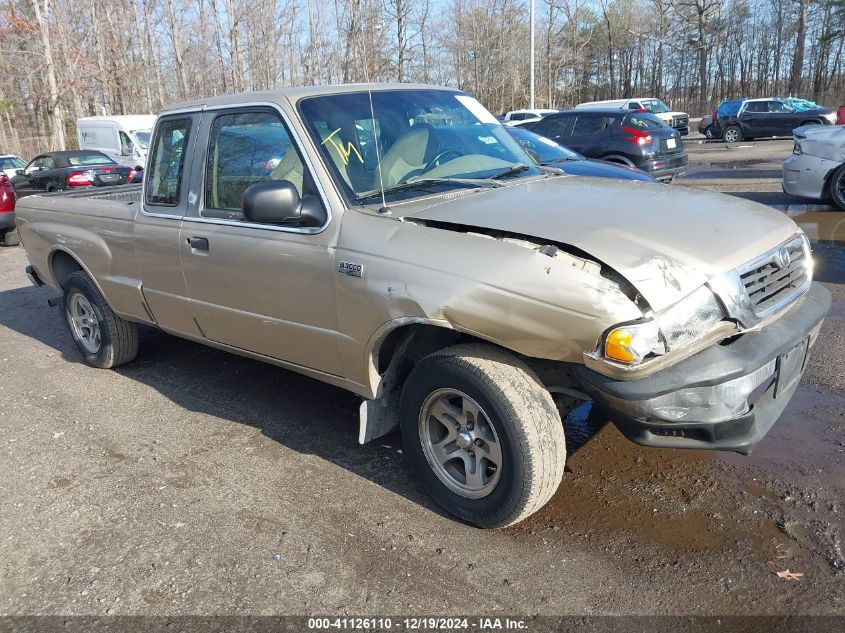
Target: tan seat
[(409, 154)]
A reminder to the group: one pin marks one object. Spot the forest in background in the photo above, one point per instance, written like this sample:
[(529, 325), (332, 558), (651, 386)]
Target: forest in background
[(64, 59)]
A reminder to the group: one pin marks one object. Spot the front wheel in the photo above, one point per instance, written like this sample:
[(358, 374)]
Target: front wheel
[(104, 339), (837, 187), (483, 434), (732, 134)]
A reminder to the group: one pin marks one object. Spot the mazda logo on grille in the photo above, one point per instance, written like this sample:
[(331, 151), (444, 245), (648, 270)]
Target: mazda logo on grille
[(783, 258)]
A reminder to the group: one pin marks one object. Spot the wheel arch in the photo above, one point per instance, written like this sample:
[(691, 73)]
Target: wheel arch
[(63, 263), (619, 159)]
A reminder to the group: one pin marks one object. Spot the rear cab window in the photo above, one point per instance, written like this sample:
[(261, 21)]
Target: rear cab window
[(166, 165)]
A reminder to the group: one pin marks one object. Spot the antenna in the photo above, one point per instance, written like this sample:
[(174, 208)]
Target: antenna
[(384, 207)]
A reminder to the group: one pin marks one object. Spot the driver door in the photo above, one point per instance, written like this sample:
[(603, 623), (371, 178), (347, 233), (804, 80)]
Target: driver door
[(264, 288)]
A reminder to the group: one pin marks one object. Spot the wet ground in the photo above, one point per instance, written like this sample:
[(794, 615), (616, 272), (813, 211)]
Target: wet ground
[(196, 482)]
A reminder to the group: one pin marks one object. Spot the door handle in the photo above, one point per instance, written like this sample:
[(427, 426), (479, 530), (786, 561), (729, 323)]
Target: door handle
[(198, 243)]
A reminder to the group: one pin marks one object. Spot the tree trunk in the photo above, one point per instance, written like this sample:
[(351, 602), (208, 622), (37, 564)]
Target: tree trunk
[(54, 107), (795, 75)]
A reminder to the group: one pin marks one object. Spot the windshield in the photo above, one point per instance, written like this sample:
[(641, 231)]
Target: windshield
[(545, 150), (11, 162), (143, 137), (655, 105), (437, 138)]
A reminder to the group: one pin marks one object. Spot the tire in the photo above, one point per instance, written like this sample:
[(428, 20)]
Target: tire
[(708, 133), (732, 134), (11, 238), (837, 187), (103, 338), (619, 160), (502, 411)]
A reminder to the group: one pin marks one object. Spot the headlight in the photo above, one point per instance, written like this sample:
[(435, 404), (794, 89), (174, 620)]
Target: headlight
[(796, 149), (690, 318), (633, 343)]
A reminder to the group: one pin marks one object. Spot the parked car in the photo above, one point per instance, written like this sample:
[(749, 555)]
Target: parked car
[(550, 154), (816, 168), (518, 117), (674, 119), (454, 287), (9, 235), (58, 171), (123, 138), (840, 115), (725, 111), (705, 125), (636, 139), (10, 164), (757, 118)]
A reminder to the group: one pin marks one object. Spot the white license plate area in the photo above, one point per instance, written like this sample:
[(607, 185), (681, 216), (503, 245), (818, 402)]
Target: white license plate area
[(671, 143)]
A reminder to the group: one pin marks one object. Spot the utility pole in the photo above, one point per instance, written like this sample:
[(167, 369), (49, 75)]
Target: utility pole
[(531, 56)]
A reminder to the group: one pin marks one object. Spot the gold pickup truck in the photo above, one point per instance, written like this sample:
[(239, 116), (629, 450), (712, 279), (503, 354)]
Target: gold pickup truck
[(399, 243)]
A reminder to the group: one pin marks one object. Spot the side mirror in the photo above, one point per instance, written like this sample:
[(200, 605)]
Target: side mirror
[(20, 172), (278, 202)]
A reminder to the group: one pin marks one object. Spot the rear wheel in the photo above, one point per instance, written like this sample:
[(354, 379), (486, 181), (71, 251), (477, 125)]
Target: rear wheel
[(708, 133), (483, 434), (837, 187), (104, 339), (11, 238), (732, 134)]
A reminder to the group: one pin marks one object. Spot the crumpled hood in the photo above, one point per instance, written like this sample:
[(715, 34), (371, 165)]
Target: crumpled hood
[(822, 141), (667, 240)]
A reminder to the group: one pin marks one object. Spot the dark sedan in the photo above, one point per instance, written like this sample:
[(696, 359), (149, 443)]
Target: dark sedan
[(758, 118), (60, 171), (635, 139), (548, 153)]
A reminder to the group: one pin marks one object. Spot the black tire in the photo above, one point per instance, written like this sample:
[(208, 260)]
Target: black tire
[(522, 414), (708, 133), (11, 238), (837, 187), (619, 160), (732, 134), (118, 339)]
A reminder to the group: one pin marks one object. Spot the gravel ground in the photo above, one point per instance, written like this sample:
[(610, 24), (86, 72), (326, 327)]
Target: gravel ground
[(196, 482)]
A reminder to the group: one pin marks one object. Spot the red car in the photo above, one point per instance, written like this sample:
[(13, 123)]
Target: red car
[(9, 235)]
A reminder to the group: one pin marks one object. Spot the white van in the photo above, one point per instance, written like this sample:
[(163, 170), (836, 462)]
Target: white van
[(123, 138), (672, 118)]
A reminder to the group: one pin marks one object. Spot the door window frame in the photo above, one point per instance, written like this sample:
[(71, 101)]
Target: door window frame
[(195, 212)]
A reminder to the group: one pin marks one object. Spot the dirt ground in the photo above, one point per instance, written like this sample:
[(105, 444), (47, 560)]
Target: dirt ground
[(196, 482)]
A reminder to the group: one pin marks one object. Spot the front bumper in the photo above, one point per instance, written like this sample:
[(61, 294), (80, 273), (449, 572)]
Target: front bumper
[(707, 373), (7, 220), (805, 175)]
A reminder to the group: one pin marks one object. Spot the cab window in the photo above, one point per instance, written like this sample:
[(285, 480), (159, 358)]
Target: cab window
[(246, 148), (125, 144), (167, 162)]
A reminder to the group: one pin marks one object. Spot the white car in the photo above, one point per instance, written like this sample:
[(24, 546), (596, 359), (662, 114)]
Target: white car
[(518, 117), (816, 168), (10, 164)]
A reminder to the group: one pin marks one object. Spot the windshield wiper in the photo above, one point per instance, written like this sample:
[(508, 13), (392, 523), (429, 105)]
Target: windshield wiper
[(562, 159), (513, 169), (421, 184)]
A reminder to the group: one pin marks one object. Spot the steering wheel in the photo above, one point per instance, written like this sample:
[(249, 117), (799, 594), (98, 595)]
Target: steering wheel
[(437, 160)]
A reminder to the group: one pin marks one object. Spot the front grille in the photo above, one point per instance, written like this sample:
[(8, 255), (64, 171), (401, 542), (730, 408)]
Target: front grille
[(773, 278), (681, 121)]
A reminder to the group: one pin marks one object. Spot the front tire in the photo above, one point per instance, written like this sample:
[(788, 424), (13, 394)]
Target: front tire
[(103, 338), (483, 434), (837, 187), (732, 134), (11, 238)]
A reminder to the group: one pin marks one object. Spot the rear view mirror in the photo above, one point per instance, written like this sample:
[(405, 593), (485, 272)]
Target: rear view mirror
[(278, 202)]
